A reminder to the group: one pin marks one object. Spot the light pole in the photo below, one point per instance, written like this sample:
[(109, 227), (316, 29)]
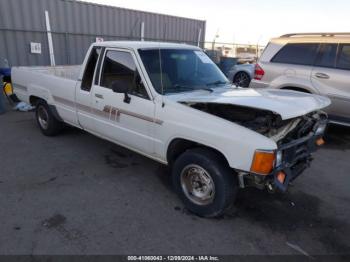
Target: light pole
[(257, 47), (216, 36)]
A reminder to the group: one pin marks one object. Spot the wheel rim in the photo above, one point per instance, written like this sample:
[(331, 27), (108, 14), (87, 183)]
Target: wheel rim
[(197, 185), (242, 80), (43, 117)]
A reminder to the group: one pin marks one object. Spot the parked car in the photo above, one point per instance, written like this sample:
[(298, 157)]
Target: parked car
[(241, 74), (311, 63), (238, 74), (171, 103)]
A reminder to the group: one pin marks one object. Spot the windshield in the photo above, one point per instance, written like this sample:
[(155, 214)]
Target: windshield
[(181, 70)]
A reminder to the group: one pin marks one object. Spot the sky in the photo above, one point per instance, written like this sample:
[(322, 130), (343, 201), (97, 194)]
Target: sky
[(251, 21)]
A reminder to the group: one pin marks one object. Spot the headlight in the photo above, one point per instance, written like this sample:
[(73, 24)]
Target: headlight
[(279, 158), (321, 129)]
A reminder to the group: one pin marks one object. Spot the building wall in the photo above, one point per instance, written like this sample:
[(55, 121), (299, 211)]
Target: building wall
[(75, 25)]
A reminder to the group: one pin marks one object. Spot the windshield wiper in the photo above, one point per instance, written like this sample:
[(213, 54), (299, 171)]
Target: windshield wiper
[(192, 88), (216, 83)]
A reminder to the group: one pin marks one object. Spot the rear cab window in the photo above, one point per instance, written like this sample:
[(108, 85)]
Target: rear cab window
[(297, 53), (90, 68)]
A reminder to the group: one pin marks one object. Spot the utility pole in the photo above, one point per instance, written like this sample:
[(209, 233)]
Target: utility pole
[(216, 36)]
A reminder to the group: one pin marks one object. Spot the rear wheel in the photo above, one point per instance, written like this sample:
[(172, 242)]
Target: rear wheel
[(242, 79), (47, 122), (204, 182)]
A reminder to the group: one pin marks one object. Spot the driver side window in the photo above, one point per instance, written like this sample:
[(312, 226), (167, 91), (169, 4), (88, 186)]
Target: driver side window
[(120, 66)]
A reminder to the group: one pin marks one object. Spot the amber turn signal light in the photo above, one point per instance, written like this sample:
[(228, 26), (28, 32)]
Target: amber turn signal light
[(281, 177), (263, 162), (320, 141)]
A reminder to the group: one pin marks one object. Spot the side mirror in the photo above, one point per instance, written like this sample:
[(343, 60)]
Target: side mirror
[(123, 88)]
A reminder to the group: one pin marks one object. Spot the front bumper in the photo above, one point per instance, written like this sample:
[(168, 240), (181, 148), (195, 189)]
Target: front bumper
[(258, 84), (297, 156)]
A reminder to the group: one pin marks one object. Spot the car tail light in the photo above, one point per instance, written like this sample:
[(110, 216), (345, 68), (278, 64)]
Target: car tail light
[(259, 72)]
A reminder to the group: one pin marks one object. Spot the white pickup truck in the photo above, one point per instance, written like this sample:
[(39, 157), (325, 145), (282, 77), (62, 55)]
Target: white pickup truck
[(171, 103)]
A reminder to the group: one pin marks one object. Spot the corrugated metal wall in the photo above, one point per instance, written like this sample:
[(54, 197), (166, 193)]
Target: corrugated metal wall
[(75, 25)]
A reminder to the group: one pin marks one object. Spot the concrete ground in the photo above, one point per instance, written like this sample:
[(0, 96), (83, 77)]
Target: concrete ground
[(78, 194)]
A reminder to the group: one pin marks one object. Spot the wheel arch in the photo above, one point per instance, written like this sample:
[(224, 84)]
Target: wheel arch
[(297, 88), (177, 146), (33, 100), (241, 71)]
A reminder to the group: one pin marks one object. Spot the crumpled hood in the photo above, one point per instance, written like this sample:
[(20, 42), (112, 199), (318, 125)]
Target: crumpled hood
[(288, 104)]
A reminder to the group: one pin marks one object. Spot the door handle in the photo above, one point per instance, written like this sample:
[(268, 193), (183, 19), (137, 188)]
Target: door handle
[(322, 75), (99, 96)]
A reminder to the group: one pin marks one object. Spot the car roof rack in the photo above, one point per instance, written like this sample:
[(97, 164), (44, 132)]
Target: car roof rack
[(316, 34)]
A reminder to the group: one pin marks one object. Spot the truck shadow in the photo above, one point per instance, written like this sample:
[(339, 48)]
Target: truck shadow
[(278, 211), (290, 214), (338, 137)]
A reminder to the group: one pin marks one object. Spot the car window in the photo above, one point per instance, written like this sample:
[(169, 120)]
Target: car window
[(327, 55), (344, 57), (90, 69), (120, 66), (181, 70), (300, 54)]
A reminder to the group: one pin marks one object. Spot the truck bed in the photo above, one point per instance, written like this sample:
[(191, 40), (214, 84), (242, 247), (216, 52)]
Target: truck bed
[(55, 84), (69, 72)]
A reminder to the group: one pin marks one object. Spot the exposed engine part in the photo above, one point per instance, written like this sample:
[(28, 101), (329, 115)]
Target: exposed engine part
[(277, 135), (307, 124), (263, 121)]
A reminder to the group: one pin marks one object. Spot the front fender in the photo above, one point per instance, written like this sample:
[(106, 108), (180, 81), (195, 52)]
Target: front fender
[(235, 142)]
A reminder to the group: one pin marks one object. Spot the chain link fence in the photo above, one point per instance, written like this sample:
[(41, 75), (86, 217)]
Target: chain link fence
[(243, 53)]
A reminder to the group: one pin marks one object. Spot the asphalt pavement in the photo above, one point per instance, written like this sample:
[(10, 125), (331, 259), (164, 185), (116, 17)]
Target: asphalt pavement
[(78, 194)]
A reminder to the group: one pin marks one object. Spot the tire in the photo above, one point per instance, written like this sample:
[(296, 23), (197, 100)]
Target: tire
[(217, 190), (241, 79), (47, 122)]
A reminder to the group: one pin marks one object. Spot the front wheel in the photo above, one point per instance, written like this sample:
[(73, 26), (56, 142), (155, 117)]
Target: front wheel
[(204, 182)]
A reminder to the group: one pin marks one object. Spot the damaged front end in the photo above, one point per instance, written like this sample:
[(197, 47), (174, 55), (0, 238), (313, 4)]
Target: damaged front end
[(296, 138)]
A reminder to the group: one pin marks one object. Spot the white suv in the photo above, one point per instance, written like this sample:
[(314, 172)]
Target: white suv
[(317, 63)]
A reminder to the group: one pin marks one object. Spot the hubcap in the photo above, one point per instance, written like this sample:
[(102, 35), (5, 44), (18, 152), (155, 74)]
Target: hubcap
[(242, 80), (43, 117), (197, 185)]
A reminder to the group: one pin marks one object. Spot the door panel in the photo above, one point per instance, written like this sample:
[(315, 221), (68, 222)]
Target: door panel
[(83, 108), (130, 124), (335, 84), (331, 81)]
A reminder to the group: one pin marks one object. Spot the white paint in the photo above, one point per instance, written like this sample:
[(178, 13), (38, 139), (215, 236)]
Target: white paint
[(49, 39), (99, 40), (199, 37), (299, 249), (35, 48), (143, 31)]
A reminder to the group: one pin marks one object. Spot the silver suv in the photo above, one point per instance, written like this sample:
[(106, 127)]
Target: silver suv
[(313, 63)]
